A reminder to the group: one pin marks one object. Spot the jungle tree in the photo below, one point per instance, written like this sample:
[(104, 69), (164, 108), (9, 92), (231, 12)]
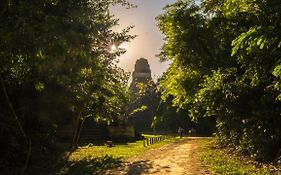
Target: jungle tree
[(56, 66), (226, 64)]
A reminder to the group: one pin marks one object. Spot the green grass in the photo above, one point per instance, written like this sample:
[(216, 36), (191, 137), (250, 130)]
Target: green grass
[(92, 159), (224, 162), (149, 135)]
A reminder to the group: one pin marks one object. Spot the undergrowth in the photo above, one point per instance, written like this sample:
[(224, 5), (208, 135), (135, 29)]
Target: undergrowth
[(228, 161)]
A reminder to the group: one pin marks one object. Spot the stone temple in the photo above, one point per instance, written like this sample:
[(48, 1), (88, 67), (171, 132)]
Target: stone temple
[(142, 74)]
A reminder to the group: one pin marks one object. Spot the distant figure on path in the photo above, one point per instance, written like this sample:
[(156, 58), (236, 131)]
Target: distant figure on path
[(180, 132), (192, 132)]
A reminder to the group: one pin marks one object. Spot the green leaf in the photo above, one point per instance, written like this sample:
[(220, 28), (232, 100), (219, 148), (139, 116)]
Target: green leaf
[(262, 45), (277, 71)]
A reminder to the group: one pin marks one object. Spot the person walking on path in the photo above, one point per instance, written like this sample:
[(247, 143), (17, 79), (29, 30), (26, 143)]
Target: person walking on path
[(180, 132)]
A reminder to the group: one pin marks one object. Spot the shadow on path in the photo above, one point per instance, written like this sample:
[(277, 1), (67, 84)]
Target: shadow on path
[(145, 166), (139, 167)]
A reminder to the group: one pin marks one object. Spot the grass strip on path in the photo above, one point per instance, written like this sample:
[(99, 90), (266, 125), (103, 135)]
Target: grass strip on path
[(90, 159), (224, 162)]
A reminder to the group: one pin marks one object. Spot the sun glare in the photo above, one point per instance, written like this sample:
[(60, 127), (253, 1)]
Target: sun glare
[(113, 48), (122, 46)]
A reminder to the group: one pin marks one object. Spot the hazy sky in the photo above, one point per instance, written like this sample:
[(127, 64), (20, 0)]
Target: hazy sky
[(149, 40)]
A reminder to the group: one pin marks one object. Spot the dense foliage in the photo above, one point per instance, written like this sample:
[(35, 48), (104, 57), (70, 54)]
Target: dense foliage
[(226, 65), (169, 118), (56, 69)]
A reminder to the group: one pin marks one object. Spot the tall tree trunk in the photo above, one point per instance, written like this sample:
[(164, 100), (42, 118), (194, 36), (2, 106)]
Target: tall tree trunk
[(80, 130), (76, 131), (13, 112)]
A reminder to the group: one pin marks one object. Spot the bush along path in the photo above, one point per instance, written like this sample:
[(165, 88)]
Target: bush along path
[(224, 160)]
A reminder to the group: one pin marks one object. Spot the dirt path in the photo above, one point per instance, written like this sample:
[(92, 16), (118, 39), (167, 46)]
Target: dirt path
[(173, 159)]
